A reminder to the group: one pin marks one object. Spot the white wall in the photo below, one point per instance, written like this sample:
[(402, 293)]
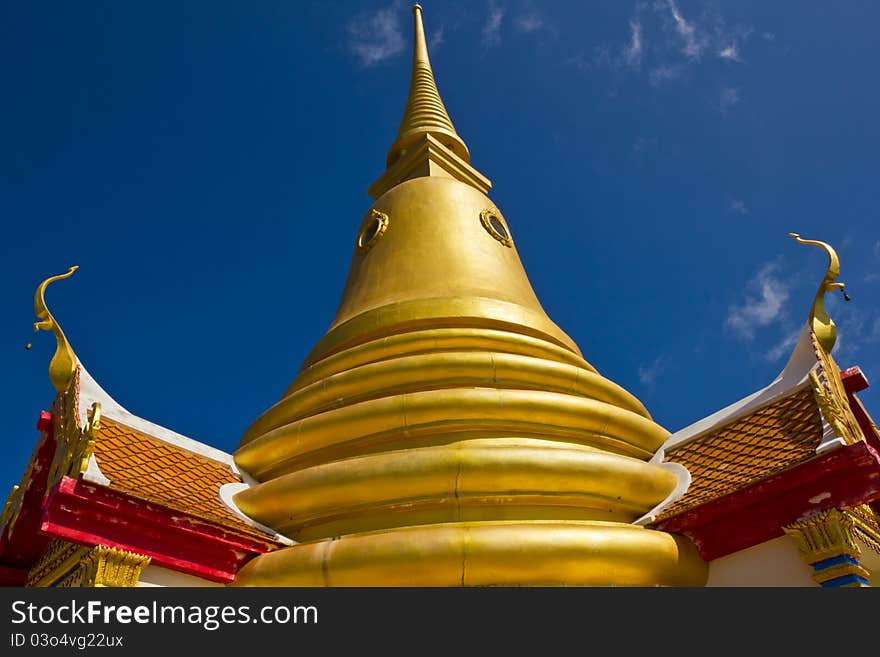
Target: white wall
[(773, 563), (158, 576)]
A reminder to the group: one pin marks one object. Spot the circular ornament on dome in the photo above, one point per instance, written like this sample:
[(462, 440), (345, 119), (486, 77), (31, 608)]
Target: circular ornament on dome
[(496, 226), (372, 230)]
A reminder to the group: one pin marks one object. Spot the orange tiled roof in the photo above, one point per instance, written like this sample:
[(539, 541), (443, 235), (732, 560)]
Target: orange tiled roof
[(156, 471), (763, 443)]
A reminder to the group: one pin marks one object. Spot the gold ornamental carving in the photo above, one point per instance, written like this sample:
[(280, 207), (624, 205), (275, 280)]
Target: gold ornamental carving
[(867, 525), (74, 445), (373, 229), (59, 558), (495, 226), (831, 409), (824, 535), (832, 399), (107, 567)]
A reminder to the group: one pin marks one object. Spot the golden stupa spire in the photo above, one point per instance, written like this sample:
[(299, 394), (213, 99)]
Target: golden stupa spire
[(63, 363), (427, 144), (445, 431), (425, 113), (821, 324)]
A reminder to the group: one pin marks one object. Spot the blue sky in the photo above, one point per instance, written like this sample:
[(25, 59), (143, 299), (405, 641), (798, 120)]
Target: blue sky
[(206, 166)]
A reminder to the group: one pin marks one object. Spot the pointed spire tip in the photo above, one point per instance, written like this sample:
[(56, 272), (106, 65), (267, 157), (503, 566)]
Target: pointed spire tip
[(424, 112)]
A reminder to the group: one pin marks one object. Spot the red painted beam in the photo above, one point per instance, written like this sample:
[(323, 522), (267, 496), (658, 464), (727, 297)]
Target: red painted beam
[(843, 478), (94, 515), (25, 545), (854, 380)]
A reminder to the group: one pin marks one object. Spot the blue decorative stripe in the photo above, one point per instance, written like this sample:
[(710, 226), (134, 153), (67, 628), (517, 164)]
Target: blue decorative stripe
[(846, 579), (834, 561)]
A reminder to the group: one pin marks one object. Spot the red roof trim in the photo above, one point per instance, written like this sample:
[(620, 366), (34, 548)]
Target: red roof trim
[(843, 478), (93, 515), (26, 544)]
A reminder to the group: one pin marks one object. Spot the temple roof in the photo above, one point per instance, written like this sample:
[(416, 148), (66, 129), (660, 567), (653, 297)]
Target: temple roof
[(153, 463), (805, 412)]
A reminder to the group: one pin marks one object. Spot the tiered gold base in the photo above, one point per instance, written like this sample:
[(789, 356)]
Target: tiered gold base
[(526, 553)]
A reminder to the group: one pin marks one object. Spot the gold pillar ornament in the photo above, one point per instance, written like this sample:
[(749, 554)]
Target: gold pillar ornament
[(104, 566), (59, 559), (822, 325), (826, 542), (445, 432), (63, 363)]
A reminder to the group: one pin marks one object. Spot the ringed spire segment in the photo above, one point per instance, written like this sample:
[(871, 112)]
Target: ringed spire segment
[(425, 113)]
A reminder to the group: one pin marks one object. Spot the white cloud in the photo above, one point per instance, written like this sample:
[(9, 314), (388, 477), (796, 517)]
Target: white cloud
[(677, 42), (858, 332), (642, 145), (661, 74), (727, 98), (783, 347), (730, 52), (632, 53), (529, 23), (693, 43), (491, 32), (377, 36), (437, 38), (763, 303), (738, 205), (648, 373)]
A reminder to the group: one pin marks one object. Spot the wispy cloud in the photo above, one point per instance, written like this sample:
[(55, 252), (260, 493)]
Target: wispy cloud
[(649, 372), (642, 146), (375, 36), (730, 52), (664, 73), (632, 53), (727, 98), (491, 33), (693, 42), (437, 38), (762, 304), (738, 206), (628, 55), (874, 275), (528, 23), (858, 332), (669, 43), (783, 347)]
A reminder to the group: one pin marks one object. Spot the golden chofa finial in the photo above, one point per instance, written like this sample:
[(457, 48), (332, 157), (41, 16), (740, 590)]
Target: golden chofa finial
[(63, 363), (425, 113), (821, 324)]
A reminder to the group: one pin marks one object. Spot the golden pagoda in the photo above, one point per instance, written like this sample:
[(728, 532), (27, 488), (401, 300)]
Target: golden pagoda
[(445, 431)]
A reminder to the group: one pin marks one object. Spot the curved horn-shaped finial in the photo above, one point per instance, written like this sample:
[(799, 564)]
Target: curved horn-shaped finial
[(822, 325), (63, 363)]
